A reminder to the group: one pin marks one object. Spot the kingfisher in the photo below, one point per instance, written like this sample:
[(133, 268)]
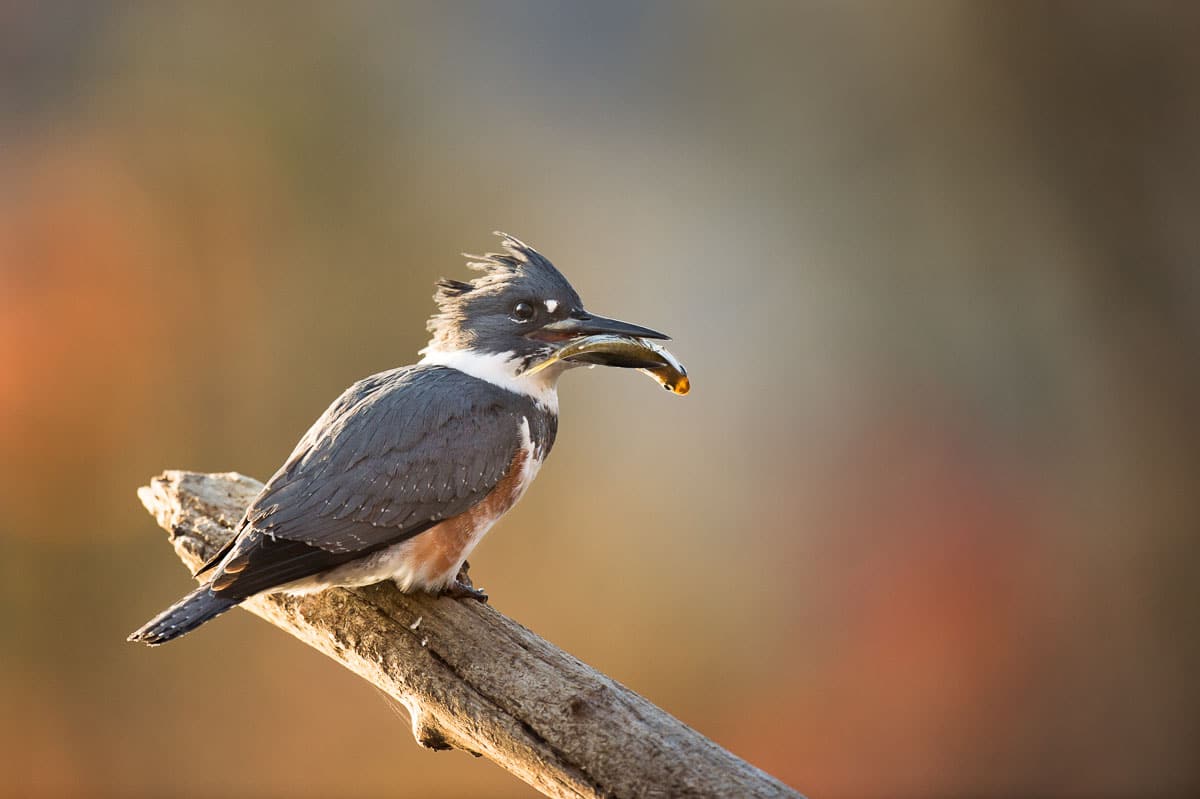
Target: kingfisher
[(408, 469)]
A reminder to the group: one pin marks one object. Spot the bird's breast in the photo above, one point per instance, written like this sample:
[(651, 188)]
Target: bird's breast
[(431, 560)]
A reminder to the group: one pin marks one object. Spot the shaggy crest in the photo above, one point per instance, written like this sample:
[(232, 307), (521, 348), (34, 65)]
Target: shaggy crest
[(519, 268)]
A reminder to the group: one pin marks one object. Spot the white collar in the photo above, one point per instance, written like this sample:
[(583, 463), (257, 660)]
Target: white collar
[(501, 369)]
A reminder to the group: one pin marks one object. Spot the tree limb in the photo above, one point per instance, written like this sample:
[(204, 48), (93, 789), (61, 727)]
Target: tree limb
[(472, 678)]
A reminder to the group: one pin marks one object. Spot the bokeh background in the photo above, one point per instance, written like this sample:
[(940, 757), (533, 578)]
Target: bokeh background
[(926, 526)]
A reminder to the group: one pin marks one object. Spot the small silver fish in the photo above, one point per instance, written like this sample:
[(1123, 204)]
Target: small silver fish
[(624, 352)]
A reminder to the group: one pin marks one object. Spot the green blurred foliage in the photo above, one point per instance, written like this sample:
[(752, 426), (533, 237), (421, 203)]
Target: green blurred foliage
[(926, 524)]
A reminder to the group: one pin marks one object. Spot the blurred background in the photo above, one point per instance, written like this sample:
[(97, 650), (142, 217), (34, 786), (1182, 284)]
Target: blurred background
[(927, 524)]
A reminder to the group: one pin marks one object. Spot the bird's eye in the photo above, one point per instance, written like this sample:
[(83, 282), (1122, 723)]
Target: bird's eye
[(522, 312)]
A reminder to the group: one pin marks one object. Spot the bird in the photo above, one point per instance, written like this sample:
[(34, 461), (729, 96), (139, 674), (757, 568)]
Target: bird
[(403, 475)]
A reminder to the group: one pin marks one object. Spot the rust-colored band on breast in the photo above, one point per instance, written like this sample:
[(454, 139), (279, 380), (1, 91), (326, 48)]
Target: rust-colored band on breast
[(440, 548)]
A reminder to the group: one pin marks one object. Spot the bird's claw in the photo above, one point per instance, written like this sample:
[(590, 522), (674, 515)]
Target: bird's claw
[(461, 590)]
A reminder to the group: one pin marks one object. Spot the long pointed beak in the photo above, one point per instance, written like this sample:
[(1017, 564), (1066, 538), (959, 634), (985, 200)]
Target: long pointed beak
[(586, 324)]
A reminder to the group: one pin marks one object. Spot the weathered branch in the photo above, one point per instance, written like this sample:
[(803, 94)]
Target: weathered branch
[(471, 677)]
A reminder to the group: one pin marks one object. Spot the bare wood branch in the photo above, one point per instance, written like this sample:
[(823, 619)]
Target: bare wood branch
[(472, 678)]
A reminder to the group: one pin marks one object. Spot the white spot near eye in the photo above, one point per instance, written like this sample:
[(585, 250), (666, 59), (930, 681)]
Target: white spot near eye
[(551, 305)]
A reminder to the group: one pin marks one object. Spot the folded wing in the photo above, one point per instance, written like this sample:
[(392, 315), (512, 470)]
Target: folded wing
[(394, 455)]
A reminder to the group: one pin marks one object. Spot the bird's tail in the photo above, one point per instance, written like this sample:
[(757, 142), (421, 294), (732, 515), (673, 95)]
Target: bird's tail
[(184, 616)]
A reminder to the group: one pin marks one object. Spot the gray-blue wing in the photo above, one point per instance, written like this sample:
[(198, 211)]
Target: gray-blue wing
[(394, 455)]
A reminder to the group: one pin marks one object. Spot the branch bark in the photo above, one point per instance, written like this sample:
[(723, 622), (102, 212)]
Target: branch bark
[(470, 677)]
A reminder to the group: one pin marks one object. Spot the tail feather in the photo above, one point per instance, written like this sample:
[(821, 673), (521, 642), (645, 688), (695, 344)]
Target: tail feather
[(184, 616)]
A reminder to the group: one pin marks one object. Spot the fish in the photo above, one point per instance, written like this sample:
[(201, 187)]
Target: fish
[(626, 352)]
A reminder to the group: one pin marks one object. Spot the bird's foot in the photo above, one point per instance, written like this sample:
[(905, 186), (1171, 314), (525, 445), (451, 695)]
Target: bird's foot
[(461, 590)]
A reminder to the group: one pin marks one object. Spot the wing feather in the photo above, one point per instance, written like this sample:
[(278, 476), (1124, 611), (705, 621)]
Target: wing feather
[(393, 455)]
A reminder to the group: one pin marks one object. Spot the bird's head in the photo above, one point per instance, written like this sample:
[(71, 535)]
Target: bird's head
[(519, 311)]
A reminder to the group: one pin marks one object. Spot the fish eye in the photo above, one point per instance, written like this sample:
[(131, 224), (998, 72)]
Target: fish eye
[(522, 312)]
